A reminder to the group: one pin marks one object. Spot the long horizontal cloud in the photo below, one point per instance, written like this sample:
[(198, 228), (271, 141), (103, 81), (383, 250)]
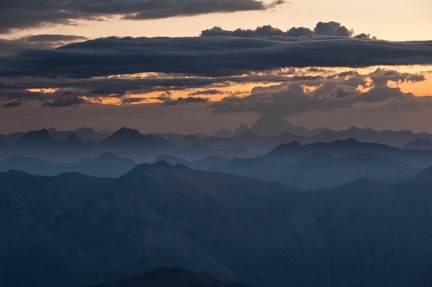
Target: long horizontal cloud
[(164, 8), (64, 102), (167, 100), (44, 41), (208, 56), (108, 86), (18, 14), (43, 90)]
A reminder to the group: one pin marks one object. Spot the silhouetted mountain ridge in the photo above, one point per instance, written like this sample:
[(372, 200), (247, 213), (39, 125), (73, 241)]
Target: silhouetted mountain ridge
[(77, 230), (165, 276), (32, 138), (105, 165), (422, 144), (291, 152)]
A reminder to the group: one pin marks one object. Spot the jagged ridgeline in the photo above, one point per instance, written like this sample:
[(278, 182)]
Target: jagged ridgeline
[(77, 230)]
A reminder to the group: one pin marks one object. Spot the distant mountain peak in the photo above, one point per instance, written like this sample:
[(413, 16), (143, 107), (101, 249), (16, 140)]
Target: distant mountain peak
[(126, 131), (418, 143), (162, 164), (73, 139), (123, 135), (270, 124), (285, 146), (240, 130), (354, 128), (39, 136), (347, 141), (38, 133)]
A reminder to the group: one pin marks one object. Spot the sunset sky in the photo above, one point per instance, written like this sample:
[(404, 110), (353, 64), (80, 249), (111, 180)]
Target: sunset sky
[(202, 65)]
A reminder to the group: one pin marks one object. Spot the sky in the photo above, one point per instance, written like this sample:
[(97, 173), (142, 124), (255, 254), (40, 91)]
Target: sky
[(191, 66)]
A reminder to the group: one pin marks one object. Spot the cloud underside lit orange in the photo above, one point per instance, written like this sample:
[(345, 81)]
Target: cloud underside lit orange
[(416, 80)]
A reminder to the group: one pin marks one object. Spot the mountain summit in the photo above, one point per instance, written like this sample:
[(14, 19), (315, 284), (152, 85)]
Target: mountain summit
[(273, 125)]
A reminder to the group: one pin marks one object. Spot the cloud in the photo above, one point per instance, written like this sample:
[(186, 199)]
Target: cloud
[(45, 41), (207, 92), (208, 56), (53, 38), (132, 100), (19, 14), (300, 32), (262, 31), (167, 100), (37, 89), (332, 29), (187, 100), (327, 29), (165, 9), (63, 101), (18, 95), (164, 97), (12, 104), (381, 77), (157, 82), (332, 93), (364, 36)]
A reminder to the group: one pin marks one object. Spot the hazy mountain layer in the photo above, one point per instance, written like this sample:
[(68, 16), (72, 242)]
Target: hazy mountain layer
[(320, 170), (291, 152), (105, 165), (72, 146)]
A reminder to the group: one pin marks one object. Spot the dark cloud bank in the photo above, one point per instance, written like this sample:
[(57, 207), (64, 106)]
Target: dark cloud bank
[(209, 56), (18, 14)]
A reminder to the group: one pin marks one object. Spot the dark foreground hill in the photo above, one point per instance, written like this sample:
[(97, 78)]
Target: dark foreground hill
[(76, 230), (423, 280), (171, 277)]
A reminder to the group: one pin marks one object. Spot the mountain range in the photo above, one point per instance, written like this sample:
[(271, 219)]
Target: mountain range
[(71, 146), (304, 166), (77, 230)]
